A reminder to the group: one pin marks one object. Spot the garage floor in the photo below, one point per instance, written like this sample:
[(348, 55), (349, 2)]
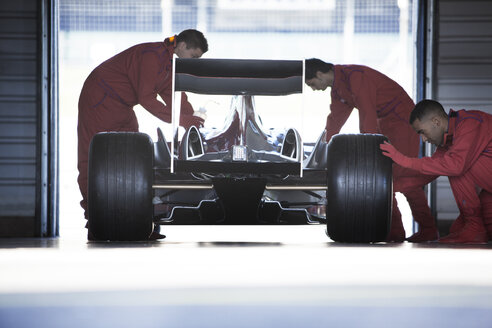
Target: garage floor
[(242, 276)]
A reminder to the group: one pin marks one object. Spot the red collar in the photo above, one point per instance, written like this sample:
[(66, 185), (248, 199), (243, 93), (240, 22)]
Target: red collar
[(448, 136)]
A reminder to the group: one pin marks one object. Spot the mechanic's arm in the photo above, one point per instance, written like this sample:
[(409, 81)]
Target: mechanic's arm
[(145, 74), (364, 92), (149, 75), (187, 118), (466, 148), (339, 113)]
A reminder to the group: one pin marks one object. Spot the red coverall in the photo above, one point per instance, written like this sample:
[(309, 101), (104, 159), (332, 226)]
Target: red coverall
[(466, 158), (384, 107), (134, 76)]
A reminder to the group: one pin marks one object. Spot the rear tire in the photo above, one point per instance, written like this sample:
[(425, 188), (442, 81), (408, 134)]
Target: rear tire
[(120, 186), (359, 189)]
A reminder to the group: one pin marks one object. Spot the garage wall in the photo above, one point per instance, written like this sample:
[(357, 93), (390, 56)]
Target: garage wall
[(28, 139), (463, 69)]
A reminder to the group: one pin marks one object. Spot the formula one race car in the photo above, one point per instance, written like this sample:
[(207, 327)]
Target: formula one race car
[(239, 173)]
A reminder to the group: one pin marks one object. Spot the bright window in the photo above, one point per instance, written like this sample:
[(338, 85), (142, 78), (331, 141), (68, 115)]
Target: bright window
[(376, 33)]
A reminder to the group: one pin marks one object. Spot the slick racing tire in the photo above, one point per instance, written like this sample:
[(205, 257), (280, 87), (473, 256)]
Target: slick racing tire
[(359, 189), (120, 186)]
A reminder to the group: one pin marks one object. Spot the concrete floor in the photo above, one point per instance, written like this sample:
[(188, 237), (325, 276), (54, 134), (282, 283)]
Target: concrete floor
[(242, 276)]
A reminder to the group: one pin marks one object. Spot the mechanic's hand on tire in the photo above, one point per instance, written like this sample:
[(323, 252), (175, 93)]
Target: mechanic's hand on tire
[(187, 121), (390, 151)]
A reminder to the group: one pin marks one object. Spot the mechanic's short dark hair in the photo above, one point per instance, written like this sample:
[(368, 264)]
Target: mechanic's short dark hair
[(425, 108), (193, 39), (314, 65)]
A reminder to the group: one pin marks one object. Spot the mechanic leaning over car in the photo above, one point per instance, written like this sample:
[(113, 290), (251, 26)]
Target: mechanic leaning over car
[(134, 76), (384, 108), (464, 154)]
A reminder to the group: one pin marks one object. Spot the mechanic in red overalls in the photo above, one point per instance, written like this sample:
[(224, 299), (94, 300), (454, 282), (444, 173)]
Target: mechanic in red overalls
[(384, 108), (464, 154), (134, 76)]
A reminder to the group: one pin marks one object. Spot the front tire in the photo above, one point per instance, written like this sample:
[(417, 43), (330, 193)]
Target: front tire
[(359, 189), (120, 186)]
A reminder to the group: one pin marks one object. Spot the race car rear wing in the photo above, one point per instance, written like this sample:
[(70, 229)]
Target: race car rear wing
[(239, 76), (233, 77)]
